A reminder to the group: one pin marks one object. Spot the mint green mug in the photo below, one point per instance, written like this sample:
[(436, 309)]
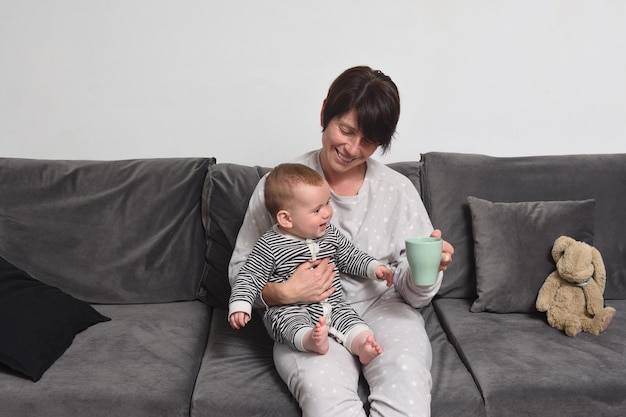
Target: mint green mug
[(424, 256)]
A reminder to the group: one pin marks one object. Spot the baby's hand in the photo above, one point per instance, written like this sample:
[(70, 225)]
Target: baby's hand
[(384, 273), (238, 319)]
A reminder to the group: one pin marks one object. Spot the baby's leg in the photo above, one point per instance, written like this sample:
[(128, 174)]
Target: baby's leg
[(289, 324), (364, 346), (316, 339), (348, 328)]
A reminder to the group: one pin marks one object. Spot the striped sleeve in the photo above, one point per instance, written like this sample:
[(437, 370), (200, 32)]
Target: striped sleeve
[(350, 259), (252, 277)]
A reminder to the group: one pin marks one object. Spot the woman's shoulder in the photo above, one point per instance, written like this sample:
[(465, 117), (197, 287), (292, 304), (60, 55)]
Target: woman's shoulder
[(310, 159), (382, 173)]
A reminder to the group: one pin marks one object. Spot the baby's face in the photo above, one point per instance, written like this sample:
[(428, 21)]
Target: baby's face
[(311, 211)]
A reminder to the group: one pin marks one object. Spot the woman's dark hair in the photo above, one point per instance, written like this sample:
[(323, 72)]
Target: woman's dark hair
[(374, 97)]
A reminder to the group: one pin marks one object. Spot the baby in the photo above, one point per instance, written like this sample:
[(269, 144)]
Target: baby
[(298, 198)]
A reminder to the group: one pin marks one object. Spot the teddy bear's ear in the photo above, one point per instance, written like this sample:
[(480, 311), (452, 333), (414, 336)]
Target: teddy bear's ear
[(560, 244)]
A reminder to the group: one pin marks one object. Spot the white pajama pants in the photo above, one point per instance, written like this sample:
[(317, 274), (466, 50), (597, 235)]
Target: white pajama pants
[(399, 379)]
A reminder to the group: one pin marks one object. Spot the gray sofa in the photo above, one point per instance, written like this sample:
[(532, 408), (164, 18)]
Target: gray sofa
[(146, 244)]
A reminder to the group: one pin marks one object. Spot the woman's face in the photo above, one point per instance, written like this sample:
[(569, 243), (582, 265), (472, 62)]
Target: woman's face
[(343, 145)]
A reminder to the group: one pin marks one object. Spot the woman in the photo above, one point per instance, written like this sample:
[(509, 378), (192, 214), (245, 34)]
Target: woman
[(377, 209)]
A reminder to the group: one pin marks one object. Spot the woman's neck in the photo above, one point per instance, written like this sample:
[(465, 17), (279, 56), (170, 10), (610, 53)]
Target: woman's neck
[(346, 183)]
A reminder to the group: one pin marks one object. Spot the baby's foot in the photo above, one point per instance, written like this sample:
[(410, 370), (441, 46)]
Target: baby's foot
[(368, 350), (317, 339)]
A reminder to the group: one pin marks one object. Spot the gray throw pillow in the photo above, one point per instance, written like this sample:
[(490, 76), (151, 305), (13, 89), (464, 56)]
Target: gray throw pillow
[(512, 248)]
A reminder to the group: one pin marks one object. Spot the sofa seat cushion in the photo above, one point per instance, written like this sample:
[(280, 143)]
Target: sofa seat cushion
[(525, 367), (237, 377), (454, 392), (142, 363), (234, 358)]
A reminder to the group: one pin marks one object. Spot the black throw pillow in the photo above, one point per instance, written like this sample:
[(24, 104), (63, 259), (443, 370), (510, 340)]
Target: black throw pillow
[(38, 322)]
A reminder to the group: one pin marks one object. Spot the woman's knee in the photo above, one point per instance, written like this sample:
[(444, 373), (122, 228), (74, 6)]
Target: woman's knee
[(322, 384)]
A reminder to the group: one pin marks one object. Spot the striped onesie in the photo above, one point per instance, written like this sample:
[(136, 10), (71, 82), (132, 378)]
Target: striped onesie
[(275, 257)]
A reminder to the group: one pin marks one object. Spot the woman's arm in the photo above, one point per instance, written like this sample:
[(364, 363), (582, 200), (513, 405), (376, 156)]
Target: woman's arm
[(310, 283), (411, 219)]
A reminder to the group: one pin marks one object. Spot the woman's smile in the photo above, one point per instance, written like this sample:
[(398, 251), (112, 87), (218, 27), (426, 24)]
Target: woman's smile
[(343, 158)]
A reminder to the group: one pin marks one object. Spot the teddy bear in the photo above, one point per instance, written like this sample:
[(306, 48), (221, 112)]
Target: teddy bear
[(572, 295)]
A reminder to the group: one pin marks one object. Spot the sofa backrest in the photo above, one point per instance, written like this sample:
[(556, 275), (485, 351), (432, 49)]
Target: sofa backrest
[(106, 231), (449, 178), (225, 198), (226, 194)]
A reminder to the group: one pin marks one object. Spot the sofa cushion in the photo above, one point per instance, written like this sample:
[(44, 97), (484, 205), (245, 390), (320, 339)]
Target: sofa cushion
[(454, 392), (234, 357), (143, 362), (237, 376), (37, 322), (524, 367), (449, 178), (411, 170), (106, 231), (513, 244), (225, 196)]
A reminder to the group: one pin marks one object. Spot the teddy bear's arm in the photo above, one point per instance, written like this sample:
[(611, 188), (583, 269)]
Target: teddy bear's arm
[(593, 295), (548, 291)]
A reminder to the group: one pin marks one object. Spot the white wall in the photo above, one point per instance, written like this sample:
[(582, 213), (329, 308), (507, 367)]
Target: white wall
[(244, 80)]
